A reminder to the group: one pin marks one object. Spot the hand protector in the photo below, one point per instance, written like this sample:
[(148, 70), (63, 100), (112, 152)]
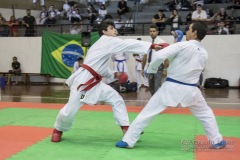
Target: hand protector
[(178, 35)]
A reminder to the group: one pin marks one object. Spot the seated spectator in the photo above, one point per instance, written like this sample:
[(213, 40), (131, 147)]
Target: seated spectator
[(221, 29), (51, 19), (43, 16), (199, 14), (122, 7), (92, 14), (66, 9), (3, 28), (13, 27), (175, 20), (29, 22), (220, 16), (102, 12), (119, 25), (75, 16), (16, 69), (159, 19)]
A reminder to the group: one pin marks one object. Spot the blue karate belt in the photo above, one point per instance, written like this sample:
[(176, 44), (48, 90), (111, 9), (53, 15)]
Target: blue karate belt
[(118, 68), (175, 81)]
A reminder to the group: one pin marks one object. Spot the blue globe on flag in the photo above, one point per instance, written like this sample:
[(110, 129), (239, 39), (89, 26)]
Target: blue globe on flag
[(71, 53)]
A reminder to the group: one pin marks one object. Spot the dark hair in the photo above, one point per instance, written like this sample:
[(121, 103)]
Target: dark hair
[(154, 26), (201, 29), (199, 5), (104, 25), (14, 58), (79, 59), (139, 39)]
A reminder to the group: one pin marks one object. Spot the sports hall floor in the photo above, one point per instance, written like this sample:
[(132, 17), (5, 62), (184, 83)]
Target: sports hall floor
[(28, 112)]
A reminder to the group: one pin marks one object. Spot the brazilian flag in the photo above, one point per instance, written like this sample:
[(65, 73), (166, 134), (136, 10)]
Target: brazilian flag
[(60, 51)]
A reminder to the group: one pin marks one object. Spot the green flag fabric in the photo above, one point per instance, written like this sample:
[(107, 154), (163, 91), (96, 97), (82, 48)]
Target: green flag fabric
[(60, 51)]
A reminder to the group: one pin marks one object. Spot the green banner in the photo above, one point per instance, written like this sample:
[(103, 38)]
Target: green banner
[(60, 51)]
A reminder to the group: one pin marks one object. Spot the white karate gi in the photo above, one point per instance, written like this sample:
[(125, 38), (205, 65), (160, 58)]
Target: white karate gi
[(97, 58), (188, 60), (138, 68)]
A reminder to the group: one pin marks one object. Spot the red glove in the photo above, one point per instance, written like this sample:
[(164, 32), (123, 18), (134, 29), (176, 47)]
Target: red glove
[(163, 45)]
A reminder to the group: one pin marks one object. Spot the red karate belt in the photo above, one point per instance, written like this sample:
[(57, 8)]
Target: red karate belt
[(91, 82)]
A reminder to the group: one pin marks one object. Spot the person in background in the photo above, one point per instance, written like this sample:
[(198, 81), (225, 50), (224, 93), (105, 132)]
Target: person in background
[(154, 80), (29, 22), (16, 70), (139, 70), (175, 20), (13, 27), (3, 29), (159, 20), (122, 7), (102, 12), (199, 14), (77, 64), (43, 16)]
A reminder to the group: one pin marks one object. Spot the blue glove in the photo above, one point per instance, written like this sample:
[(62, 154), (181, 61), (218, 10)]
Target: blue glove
[(179, 35)]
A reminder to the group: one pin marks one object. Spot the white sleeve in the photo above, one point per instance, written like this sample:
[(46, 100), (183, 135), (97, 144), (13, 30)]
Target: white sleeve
[(162, 55), (130, 46)]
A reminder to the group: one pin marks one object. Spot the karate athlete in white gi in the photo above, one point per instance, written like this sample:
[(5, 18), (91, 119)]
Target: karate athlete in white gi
[(187, 60), (120, 62), (138, 69), (86, 86)]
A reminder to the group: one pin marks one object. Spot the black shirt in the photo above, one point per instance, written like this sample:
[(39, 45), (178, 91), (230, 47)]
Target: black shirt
[(16, 65)]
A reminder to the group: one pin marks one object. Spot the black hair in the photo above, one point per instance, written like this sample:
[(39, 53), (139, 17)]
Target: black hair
[(15, 58), (201, 29), (139, 39), (104, 25), (79, 59), (154, 26)]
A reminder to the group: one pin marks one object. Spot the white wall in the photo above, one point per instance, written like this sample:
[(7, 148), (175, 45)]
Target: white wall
[(223, 62)]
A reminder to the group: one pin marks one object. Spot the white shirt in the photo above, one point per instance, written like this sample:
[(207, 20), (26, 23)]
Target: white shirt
[(118, 25), (157, 40), (223, 29), (102, 13), (202, 15)]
